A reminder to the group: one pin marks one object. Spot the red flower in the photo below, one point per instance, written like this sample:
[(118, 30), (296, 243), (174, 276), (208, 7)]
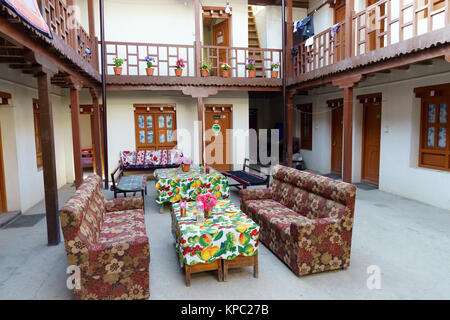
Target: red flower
[(304, 256)]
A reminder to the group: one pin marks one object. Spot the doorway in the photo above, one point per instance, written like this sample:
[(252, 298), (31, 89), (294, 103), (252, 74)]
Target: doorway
[(337, 118), (218, 136), (89, 158), (371, 138), (339, 16), (216, 33), (3, 206)]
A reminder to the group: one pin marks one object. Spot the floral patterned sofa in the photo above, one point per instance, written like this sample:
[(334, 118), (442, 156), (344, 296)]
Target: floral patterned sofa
[(147, 160), (107, 240), (305, 219)]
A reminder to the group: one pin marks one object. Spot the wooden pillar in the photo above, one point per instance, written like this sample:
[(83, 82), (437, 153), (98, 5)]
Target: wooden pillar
[(349, 11), (347, 83), (96, 133), (289, 39), (197, 38), (76, 135), (347, 161), (200, 117), (48, 156), (289, 130)]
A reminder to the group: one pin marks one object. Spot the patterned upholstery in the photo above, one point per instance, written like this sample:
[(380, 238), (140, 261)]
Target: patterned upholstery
[(305, 219), (107, 240)]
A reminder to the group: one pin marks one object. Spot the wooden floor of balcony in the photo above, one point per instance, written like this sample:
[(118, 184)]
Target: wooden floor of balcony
[(130, 82)]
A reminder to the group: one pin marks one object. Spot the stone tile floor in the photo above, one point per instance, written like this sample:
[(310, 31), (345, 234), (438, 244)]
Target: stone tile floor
[(409, 242)]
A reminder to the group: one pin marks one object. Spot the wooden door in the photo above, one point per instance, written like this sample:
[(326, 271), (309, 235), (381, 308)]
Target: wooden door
[(3, 206), (336, 140), (371, 143), (221, 38), (218, 149), (339, 16)]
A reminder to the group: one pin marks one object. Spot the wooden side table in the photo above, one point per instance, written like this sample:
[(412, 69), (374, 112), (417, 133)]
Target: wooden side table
[(240, 262), (201, 267)]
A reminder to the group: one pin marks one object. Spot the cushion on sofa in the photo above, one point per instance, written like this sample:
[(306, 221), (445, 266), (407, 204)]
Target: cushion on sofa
[(153, 157), (122, 227), (140, 158), (175, 156), (128, 158), (164, 157)]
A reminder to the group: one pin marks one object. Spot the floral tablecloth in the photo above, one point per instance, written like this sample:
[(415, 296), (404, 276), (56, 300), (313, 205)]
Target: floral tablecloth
[(173, 185), (226, 235)]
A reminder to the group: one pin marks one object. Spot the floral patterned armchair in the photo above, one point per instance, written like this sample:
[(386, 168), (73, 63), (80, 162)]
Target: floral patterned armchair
[(107, 240), (305, 219)]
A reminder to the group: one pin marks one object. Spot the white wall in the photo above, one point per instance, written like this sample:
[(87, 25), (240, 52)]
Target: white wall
[(24, 181), (121, 133), (399, 152)]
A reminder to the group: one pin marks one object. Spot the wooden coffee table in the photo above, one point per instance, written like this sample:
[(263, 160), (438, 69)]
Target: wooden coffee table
[(227, 240)]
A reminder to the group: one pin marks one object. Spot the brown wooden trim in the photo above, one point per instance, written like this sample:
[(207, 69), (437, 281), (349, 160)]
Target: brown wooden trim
[(4, 97), (37, 133), (375, 98), (306, 113), (155, 111), (439, 90), (335, 102), (435, 152), (372, 97), (3, 203)]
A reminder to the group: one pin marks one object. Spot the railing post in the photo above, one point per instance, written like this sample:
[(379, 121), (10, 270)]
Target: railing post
[(289, 40)]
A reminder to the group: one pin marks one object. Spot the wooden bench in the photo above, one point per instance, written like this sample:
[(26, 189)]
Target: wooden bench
[(246, 179), (128, 184)]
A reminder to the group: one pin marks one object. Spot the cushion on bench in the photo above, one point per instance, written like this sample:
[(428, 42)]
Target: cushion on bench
[(246, 178), (132, 183)]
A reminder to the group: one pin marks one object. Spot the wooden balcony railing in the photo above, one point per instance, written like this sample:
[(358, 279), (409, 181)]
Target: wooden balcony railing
[(64, 25), (165, 55), (382, 24), (327, 48), (238, 57)]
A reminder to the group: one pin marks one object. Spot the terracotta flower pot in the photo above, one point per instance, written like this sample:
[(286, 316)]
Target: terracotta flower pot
[(149, 71), (226, 73), (185, 167), (274, 74), (204, 72), (183, 212), (117, 71), (178, 72), (251, 73)]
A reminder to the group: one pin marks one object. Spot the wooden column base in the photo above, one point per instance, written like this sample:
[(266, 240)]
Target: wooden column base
[(240, 262), (201, 267)]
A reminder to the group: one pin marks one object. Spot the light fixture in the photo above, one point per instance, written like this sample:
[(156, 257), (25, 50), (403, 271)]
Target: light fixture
[(227, 9)]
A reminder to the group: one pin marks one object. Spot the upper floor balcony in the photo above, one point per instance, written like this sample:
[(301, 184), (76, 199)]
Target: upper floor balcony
[(386, 29)]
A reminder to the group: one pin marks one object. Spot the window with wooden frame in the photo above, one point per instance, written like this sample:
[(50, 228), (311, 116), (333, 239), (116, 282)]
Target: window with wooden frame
[(306, 125), (4, 97), (37, 132), (155, 126), (434, 150)]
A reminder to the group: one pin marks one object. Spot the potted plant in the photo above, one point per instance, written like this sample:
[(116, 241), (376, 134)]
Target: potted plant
[(183, 206), (179, 67), (226, 69), (205, 68), (118, 66), (185, 164), (274, 67), (250, 66), (150, 61), (208, 201)]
